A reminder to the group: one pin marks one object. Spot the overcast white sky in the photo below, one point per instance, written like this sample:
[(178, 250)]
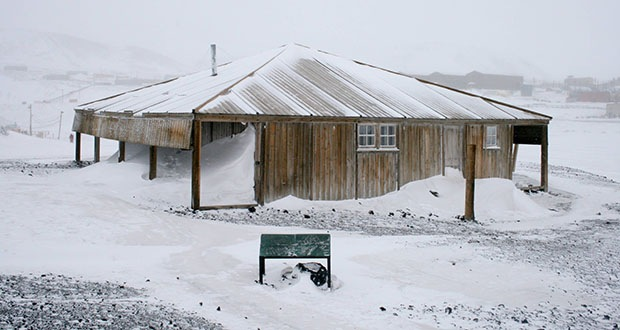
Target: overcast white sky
[(560, 37)]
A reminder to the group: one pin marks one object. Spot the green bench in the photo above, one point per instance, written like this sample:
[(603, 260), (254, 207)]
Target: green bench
[(290, 246)]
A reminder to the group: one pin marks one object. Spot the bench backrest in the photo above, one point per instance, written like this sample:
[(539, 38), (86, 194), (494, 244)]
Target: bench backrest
[(295, 245)]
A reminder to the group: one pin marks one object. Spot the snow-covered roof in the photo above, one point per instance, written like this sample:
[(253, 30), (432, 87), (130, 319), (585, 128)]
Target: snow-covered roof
[(295, 80)]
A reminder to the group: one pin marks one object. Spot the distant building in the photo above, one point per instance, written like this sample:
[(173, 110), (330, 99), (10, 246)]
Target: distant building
[(56, 76), (579, 83), (589, 96), (20, 68), (477, 80), (481, 80), (613, 110)]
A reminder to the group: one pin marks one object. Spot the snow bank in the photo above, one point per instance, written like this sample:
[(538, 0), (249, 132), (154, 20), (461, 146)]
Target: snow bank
[(494, 198)]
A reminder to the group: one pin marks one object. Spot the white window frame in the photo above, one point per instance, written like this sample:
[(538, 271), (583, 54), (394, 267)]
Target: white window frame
[(382, 138), (389, 136), (490, 137), (366, 140)]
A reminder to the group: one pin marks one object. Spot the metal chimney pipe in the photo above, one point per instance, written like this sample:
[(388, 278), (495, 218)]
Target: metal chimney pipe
[(213, 61)]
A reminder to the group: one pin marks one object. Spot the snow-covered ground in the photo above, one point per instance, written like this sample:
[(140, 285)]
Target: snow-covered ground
[(401, 261)]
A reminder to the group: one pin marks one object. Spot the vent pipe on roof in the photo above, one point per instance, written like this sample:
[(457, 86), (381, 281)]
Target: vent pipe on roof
[(213, 61)]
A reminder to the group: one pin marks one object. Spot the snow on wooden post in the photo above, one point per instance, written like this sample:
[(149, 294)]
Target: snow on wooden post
[(197, 143), (97, 149), (78, 147), (470, 178), (213, 61), (152, 162)]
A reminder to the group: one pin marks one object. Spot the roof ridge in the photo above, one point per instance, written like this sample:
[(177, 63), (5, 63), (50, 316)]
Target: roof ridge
[(227, 89)]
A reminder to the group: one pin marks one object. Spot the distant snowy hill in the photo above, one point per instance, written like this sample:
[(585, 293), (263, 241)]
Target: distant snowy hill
[(60, 53)]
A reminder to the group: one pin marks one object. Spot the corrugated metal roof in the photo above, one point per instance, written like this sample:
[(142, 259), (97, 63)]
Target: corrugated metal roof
[(298, 81)]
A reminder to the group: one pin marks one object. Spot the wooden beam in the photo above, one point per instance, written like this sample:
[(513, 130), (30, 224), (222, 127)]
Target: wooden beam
[(544, 160), (121, 151), (152, 162), (226, 207), (97, 149), (470, 179), (196, 145), (78, 147), (259, 164), (372, 120)]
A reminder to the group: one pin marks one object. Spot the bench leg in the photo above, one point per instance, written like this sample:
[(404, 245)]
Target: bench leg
[(329, 272), (261, 269)]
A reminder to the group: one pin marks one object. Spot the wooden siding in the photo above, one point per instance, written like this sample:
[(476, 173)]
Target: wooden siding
[(377, 173), (492, 162), (453, 149), (161, 132), (212, 131), (310, 161), (420, 152), (333, 161), (287, 161)]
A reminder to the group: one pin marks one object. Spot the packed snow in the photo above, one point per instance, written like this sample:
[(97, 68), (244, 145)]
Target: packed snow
[(86, 245)]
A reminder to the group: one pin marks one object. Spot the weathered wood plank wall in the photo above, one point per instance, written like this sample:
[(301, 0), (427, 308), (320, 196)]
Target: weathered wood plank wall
[(453, 147), (161, 132), (420, 152), (377, 173), (212, 131), (287, 160), (321, 161), (333, 162), (491, 162)]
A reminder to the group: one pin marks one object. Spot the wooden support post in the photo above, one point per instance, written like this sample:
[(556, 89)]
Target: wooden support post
[(197, 143), (544, 160), (78, 147), (513, 162), (121, 151), (470, 179), (97, 149), (259, 164), (152, 162)]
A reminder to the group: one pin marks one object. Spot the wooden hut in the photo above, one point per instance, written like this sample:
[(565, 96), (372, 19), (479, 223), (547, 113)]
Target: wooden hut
[(326, 128)]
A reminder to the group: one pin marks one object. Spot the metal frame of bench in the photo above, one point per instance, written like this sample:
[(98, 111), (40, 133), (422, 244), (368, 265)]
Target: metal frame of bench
[(295, 246)]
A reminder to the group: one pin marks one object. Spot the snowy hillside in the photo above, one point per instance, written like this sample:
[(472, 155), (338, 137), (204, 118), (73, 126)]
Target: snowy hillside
[(52, 52)]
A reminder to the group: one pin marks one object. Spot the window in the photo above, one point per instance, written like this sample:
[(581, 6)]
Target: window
[(376, 136), (491, 137), (388, 136), (366, 136)]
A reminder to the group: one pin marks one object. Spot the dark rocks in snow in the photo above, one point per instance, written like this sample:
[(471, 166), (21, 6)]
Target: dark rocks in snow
[(434, 193), (371, 212), (383, 309), (251, 209), (60, 302), (306, 216)]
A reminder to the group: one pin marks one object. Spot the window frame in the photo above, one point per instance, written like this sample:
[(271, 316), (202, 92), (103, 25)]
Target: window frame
[(491, 144), (387, 136), (366, 137), (377, 137)]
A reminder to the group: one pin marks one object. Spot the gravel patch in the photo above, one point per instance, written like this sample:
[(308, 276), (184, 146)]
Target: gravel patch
[(53, 301), (40, 168)]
